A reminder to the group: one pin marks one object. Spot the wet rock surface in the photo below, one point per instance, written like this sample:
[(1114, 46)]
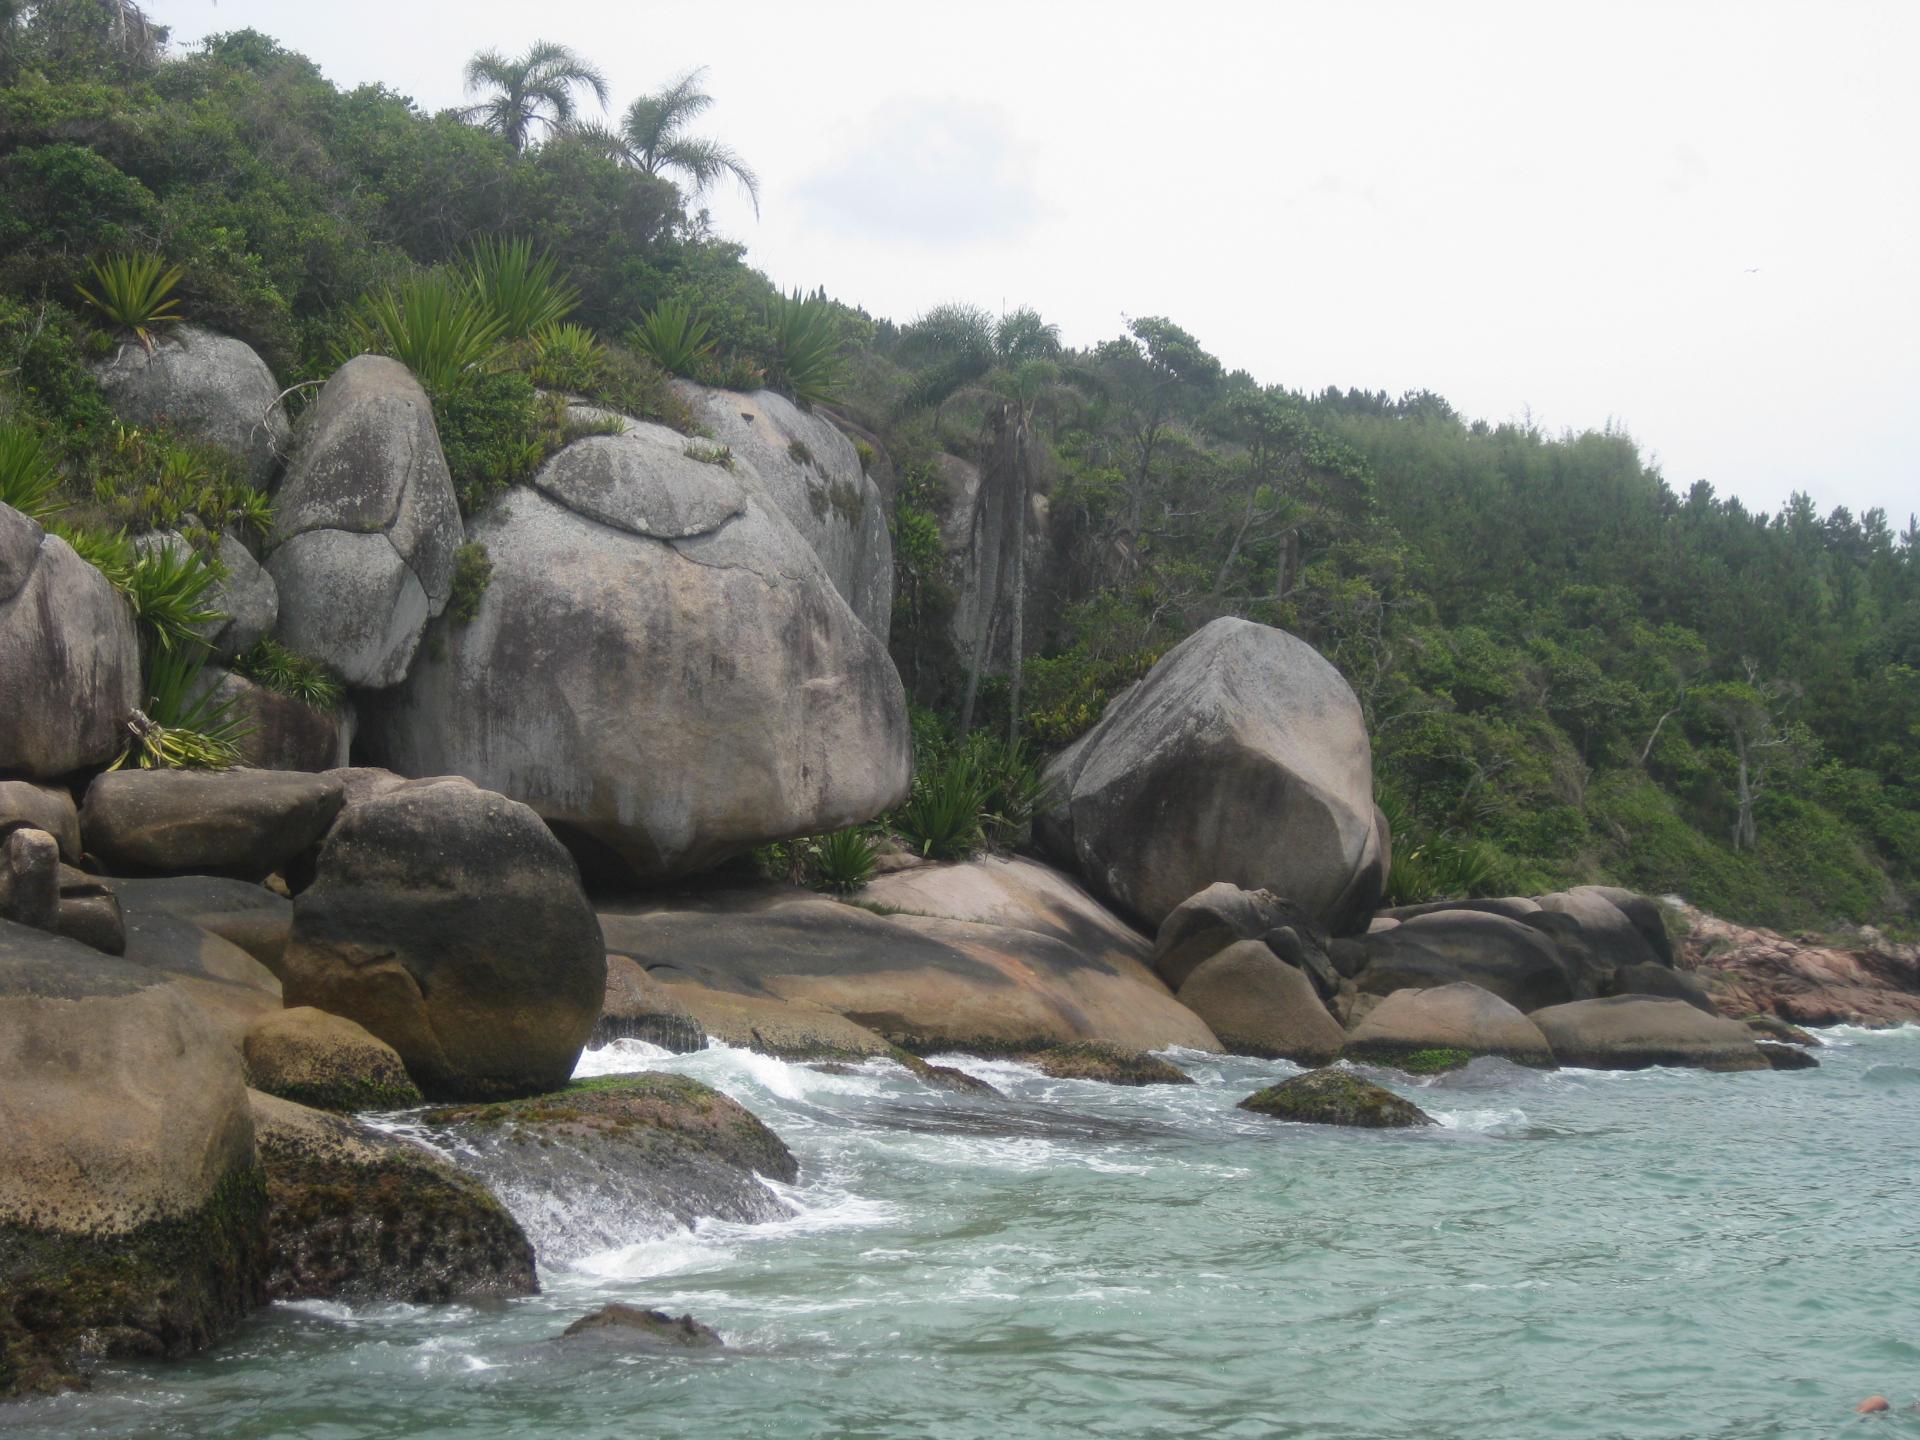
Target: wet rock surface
[(1337, 1097)]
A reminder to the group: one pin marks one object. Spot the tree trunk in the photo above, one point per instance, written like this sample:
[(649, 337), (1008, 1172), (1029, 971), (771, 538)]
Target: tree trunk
[(1744, 834)]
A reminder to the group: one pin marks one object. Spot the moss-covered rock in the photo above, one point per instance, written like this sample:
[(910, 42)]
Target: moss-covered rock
[(1336, 1097), (647, 1143), (326, 1061), (629, 1328), (356, 1215), (1109, 1064)]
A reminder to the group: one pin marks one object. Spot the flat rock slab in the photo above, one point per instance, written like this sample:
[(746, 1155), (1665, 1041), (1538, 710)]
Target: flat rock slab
[(243, 823), (1630, 1032)]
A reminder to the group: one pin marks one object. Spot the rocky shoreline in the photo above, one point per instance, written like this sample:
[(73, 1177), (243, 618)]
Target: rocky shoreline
[(206, 974)]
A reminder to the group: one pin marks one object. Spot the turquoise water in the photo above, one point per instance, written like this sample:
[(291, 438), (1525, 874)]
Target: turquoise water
[(1654, 1254)]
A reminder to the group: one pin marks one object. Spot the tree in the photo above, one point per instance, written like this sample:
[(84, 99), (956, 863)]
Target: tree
[(652, 138), (528, 90)]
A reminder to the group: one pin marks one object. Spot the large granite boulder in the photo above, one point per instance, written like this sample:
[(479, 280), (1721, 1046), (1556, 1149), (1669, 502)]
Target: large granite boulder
[(326, 1062), (367, 525), (242, 823), (450, 923), (208, 385), (1632, 1032), (1460, 1017), (1594, 936), (24, 805), (1203, 925), (357, 1215), (67, 643), (1243, 757), (813, 476), (130, 1205), (1513, 960), (660, 667), (1260, 1005), (924, 982)]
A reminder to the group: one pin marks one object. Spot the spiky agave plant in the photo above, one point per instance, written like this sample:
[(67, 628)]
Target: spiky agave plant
[(29, 481), (843, 861), (518, 285), (673, 337), (183, 727), (169, 585), (432, 323), (134, 291), (272, 666), (808, 360), (567, 357), (942, 817)]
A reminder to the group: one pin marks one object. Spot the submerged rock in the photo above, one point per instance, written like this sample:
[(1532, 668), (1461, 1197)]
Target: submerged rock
[(450, 923), (131, 1208), (629, 1328), (1243, 757), (356, 1215), (1108, 1064), (1336, 1097), (1631, 1032), (643, 1146), (325, 1061)]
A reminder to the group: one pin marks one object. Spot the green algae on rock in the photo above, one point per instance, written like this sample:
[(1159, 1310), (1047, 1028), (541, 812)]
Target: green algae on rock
[(1336, 1097), (355, 1215), (1109, 1064)]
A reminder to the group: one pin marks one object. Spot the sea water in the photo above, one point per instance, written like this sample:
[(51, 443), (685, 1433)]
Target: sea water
[(1661, 1253)]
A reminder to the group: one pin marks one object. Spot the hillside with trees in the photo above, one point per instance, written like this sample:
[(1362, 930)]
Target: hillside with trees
[(1571, 670)]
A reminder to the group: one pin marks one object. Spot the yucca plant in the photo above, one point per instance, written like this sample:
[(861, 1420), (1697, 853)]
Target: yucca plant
[(272, 666), (134, 291), (29, 481), (941, 818), (182, 726), (1011, 786), (808, 360), (168, 586), (567, 357), (518, 285), (843, 861), (432, 323), (110, 552), (673, 337)]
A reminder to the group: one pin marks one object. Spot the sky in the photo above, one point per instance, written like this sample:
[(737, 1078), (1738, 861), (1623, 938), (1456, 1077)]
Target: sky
[(1694, 221)]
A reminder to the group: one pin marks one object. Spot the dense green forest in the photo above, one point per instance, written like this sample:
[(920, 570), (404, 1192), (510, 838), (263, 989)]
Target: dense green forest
[(1571, 671)]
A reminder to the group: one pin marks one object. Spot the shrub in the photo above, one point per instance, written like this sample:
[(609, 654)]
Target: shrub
[(133, 291), (807, 360), (182, 727), (673, 337), (272, 666), (843, 861), (155, 480), (434, 324), (490, 424), (29, 481), (472, 573), (520, 288)]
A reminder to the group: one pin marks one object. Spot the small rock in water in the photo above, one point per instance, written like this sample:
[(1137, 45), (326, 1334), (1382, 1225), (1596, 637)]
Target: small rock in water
[(1774, 1028), (627, 1327), (1095, 1060), (1786, 1057), (1872, 1405), (1336, 1097)]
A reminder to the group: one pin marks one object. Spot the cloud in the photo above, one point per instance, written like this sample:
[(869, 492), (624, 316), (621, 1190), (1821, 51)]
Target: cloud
[(928, 172)]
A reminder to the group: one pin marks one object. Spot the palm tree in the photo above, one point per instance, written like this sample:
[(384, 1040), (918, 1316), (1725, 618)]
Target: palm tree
[(1012, 363), (652, 138), (532, 89)]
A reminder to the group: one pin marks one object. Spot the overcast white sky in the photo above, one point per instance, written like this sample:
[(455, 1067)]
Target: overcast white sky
[(1697, 220)]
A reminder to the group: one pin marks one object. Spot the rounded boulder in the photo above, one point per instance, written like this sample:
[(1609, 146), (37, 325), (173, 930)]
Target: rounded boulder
[(1459, 1017), (1260, 1005), (1632, 1032)]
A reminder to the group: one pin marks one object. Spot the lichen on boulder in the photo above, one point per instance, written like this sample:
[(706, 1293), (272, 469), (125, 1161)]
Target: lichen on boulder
[(1336, 1097)]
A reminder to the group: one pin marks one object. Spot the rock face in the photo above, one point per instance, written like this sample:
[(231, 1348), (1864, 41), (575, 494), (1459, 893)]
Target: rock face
[(368, 525), (243, 823), (1336, 1097), (1749, 971), (66, 639), (326, 1062), (659, 665), (356, 1215), (130, 1206), (1631, 1032), (648, 1145), (923, 982), (638, 1007), (1513, 960), (250, 917), (208, 385), (1242, 756), (812, 475), (1458, 1017), (450, 923), (1260, 1005)]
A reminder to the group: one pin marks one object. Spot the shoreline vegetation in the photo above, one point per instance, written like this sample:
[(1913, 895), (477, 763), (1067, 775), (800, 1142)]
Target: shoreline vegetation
[(454, 610)]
